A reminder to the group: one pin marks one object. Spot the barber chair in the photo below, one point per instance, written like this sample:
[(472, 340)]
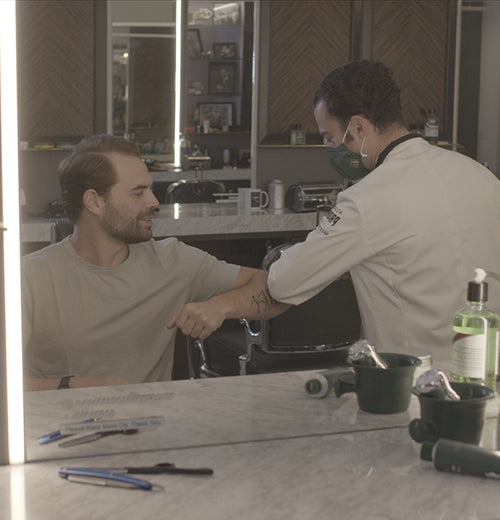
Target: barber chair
[(314, 335), (188, 191)]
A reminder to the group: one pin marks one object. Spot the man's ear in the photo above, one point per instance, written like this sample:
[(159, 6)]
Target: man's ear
[(92, 201), (359, 126)]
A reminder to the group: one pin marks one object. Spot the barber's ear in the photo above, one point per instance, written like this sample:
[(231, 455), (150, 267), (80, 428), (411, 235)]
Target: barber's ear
[(359, 126), (92, 201)]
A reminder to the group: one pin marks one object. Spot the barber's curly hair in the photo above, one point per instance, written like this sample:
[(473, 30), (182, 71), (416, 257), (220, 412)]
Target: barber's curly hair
[(88, 166), (361, 88)]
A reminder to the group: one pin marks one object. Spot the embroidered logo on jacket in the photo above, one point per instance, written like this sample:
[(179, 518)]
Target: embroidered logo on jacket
[(329, 220)]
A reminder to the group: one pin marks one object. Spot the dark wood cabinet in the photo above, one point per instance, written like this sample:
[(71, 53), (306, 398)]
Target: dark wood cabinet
[(306, 41), (303, 41), (416, 39), (56, 68)]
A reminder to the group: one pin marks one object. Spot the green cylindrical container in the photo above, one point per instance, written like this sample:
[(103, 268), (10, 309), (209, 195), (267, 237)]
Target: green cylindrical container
[(460, 457)]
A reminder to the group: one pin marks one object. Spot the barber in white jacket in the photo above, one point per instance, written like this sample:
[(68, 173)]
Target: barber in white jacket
[(411, 230)]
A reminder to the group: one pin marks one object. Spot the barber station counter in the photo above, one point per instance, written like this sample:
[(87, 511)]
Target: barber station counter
[(198, 220), (276, 453)]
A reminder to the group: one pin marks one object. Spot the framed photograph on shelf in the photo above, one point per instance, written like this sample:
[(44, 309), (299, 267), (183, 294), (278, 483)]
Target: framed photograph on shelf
[(219, 114), (227, 13), (225, 50), (222, 78), (201, 16), (194, 48)]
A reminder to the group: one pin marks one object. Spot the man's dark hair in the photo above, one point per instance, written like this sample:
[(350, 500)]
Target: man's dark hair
[(89, 167), (361, 88)]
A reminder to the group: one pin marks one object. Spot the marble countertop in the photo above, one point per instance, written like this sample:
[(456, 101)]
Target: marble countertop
[(246, 408), (372, 475), (276, 453), (255, 408), (200, 219)]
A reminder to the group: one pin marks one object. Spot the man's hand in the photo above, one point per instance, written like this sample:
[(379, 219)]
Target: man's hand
[(198, 320), (249, 299)]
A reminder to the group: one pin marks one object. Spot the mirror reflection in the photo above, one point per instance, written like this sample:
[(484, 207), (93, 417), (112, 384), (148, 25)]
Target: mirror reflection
[(123, 339), (106, 268), (143, 72)]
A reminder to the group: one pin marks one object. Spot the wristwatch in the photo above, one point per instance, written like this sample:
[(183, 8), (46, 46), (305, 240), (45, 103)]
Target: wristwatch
[(64, 382)]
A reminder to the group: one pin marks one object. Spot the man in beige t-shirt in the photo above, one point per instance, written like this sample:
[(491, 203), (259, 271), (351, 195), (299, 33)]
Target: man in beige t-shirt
[(102, 305)]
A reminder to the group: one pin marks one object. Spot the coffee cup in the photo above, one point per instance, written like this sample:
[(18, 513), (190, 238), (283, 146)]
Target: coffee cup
[(380, 390), (461, 420), (251, 199)]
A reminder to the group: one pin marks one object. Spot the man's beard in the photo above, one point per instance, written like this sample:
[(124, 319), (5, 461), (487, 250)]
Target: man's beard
[(126, 228)]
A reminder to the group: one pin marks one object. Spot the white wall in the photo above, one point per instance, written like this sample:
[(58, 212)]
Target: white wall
[(489, 93)]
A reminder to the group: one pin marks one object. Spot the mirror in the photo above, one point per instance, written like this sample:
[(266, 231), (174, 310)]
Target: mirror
[(143, 40), (212, 108), (142, 58)]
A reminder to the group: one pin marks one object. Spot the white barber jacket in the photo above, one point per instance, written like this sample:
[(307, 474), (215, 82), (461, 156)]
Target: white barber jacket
[(411, 233)]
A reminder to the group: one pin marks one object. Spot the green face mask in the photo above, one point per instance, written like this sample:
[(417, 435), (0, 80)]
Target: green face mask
[(347, 163)]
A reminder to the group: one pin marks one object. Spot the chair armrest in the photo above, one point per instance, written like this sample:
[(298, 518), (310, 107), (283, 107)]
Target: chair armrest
[(252, 337), (204, 369)]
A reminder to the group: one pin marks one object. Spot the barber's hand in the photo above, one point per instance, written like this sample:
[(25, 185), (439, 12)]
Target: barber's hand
[(197, 320)]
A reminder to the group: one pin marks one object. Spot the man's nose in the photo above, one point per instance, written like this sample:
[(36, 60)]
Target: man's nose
[(153, 202)]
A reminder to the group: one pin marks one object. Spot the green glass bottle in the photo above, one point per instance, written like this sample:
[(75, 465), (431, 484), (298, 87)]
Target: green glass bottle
[(475, 345)]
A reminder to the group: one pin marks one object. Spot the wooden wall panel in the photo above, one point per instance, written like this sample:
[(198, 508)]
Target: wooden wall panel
[(55, 68), (152, 61), (309, 38), (411, 37)]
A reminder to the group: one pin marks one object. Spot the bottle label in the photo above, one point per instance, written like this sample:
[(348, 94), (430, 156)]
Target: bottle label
[(300, 137), (431, 130), (469, 355)]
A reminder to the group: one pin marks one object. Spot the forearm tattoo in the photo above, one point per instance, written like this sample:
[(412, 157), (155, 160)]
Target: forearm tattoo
[(264, 302)]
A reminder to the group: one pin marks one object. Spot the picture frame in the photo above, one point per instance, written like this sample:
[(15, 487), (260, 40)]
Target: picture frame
[(226, 13), (200, 16), (219, 114), (222, 78), (194, 47), (225, 51)]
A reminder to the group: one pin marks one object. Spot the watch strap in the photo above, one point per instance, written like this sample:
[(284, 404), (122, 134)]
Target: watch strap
[(64, 382)]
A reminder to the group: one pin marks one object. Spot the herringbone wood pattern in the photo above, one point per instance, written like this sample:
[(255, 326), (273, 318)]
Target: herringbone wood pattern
[(410, 36), (151, 95), (55, 68), (309, 38)]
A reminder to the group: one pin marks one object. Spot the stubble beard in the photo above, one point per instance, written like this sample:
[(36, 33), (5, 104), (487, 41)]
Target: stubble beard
[(124, 228)]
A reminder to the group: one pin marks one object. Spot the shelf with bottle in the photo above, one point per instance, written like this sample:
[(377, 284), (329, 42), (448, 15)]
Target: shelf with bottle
[(214, 26), (215, 132), (217, 95), (223, 43), (212, 59)]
